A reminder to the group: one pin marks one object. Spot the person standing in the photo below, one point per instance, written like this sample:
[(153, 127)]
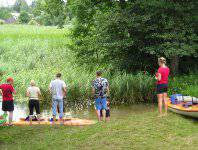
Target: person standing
[(162, 85), (100, 91), (33, 92), (7, 91), (58, 91)]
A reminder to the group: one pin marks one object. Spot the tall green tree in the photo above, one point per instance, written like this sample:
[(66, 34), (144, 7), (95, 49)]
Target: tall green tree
[(50, 12), (20, 5), (56, 10), (132, 34), (5, 13)]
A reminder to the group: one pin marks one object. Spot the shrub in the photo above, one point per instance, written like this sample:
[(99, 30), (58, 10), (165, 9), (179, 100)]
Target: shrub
[(24, 17), (1, 22), (33, 22)]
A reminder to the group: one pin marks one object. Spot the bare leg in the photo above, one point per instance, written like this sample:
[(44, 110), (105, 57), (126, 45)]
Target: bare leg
[(104, 114), (98, 115), (165, 98), (30, 118), (160, 99), (39, 116), (54, 119), (108, 119), (10, 117)]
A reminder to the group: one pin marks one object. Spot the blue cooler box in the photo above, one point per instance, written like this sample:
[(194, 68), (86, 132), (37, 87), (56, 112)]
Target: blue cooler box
[(174, 98)]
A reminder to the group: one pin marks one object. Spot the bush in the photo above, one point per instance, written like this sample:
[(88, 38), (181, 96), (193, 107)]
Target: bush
[(1, 22), (186, 85), (24, 17), (33, 22), (191, 91)]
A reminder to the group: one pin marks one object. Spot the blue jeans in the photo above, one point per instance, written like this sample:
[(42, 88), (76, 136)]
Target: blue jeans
[(59, 103)]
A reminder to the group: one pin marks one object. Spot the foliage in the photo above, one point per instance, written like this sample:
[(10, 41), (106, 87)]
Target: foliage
[(1, 22), (5, 13), (50, 12), (20, 5), (132, 34), (24, 17), (186, 85), (32, 22), (40, 49)]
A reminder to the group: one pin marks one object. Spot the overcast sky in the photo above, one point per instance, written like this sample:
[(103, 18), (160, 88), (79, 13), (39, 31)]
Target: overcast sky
[(11, 2)]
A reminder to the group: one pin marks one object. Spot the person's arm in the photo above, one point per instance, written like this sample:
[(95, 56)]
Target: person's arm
[(27, 93), (93, 91), (50, 88), (0, 91), (13, 90), (39, 92), (158, 77), (64, 89), (108, 91)]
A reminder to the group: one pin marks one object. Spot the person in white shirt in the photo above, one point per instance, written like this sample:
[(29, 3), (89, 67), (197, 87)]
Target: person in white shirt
[(33, 92), (58, 90)]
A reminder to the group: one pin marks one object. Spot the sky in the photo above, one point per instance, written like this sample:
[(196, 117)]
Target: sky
[(4, 3)]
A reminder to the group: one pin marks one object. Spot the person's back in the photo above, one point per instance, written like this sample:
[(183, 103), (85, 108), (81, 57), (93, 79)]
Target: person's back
[(58, 91), (164, 71), (57, 87), (100, 84), (33, 92), (7, 91)]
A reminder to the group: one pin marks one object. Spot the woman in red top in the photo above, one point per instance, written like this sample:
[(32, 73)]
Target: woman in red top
[(7, 92), (162, 85)]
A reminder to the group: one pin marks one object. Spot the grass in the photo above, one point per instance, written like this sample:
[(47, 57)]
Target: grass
[(143, 131)]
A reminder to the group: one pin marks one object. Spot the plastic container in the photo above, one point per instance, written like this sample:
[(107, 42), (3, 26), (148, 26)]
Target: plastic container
[(176, 98)]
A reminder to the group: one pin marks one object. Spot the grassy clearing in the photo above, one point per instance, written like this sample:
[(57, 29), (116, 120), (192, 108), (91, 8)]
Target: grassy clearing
[(141, 131)]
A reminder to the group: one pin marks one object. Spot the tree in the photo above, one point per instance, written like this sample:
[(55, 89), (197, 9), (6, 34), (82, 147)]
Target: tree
[(56, 9), (50, 12), (20, 5), (24, 17), (5, 13), (132, 34)]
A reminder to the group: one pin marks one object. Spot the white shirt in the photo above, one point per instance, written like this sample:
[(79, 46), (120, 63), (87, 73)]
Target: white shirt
[(34, 92), (57, 87)]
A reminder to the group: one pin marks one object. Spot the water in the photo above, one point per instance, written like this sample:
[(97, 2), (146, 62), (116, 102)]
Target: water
[(22, 111)]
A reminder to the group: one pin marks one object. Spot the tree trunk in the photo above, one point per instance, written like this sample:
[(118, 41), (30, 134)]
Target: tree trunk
[(122, 4), (174, 65)]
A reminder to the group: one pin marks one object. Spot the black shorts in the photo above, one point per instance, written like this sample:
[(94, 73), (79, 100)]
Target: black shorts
[(107, 113), (34, 104), (162, 88), (8, 105)]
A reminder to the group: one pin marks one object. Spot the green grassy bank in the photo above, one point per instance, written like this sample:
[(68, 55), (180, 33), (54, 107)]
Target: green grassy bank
[(143, 131)]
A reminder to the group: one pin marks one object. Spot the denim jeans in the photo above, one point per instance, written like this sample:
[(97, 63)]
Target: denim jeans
[(59, 103)]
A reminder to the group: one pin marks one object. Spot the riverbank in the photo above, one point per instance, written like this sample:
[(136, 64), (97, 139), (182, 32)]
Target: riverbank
[(141, 131)]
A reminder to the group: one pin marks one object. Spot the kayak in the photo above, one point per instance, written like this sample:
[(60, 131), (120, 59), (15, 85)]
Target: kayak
[(190, 111), (67, 122)]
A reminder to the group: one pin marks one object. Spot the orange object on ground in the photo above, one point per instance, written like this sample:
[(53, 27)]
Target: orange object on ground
[(67, 122)]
